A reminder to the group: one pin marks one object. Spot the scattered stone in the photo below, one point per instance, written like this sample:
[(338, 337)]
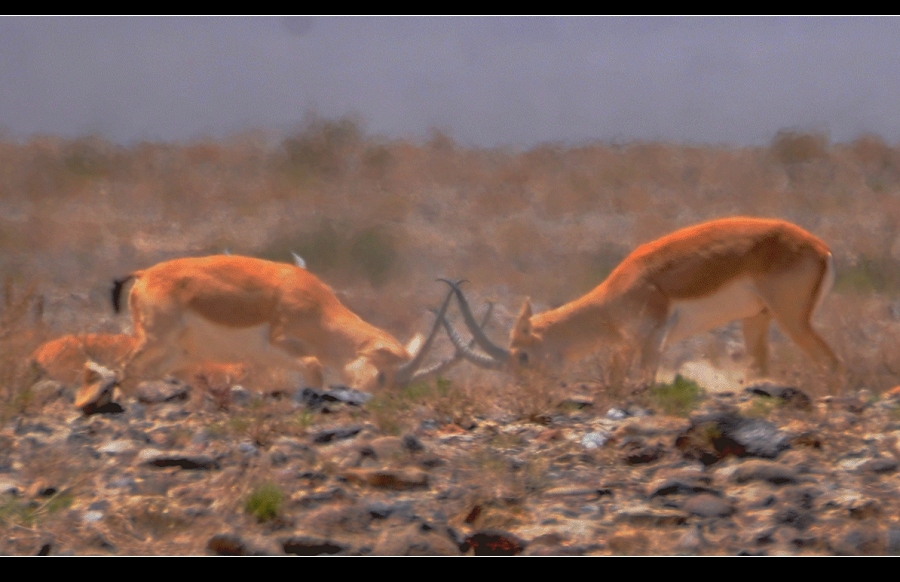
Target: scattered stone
[(92, 516), (594, 440), (117, 447), (240, 396), (493, 542), (584, 492), (860, 542), (881, 466), (384, 448), (893, 542), (758, 470), (788, 394), (415, 540), (312, 546), (616, 414), (228, 545), (645, 516), (714, 436), (372, 491), (98, 540), (399, 480), (247, 449), (336, 434), (636, 452), (412, 443), (680, 485), (402, 510), (328, 496), (862, 509), (157, 391), (156, 458), (317, 398), (707, 505), (431, 461), (692, 542), (795, 518)]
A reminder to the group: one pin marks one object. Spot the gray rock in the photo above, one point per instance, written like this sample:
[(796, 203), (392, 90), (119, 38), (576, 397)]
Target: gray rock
[(788, 394), (335, 434), (594, 440), (156, 458), (493, 542), (415, 540), (758, 470), (158, 391), (714, 436), (706, 505), (312, 546)]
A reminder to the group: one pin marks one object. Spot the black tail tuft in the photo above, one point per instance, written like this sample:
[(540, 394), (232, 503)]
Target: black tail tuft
[(117, 292)]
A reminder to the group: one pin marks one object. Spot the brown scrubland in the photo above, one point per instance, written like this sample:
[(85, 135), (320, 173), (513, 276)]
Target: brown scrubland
[(379, 220)]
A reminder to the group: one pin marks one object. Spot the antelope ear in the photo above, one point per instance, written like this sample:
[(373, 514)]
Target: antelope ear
[(522, 327)]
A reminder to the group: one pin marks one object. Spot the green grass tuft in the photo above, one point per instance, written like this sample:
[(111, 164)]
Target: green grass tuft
[(679, 397), (265, 502)]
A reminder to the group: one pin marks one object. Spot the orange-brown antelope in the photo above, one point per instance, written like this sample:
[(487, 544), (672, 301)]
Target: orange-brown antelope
[(63, 359), (232, 305), (687, 282)]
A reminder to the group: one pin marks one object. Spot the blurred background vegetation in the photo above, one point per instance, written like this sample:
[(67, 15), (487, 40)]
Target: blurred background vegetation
[(380, 219)]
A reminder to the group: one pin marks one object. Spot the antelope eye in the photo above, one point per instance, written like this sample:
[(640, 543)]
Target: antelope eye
[(523, 358)]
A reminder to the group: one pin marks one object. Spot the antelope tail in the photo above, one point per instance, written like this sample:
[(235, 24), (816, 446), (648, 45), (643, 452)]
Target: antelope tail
[(117, 292)]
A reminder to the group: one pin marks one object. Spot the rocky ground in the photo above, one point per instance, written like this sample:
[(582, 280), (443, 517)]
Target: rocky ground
[(174, 469)]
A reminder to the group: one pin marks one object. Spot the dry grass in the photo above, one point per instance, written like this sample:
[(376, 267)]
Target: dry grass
[(379, 220)]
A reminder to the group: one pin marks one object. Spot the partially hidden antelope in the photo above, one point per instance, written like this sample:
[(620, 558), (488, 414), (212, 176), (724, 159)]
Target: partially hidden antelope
[(64, 358), (239, 308), (693, 280)]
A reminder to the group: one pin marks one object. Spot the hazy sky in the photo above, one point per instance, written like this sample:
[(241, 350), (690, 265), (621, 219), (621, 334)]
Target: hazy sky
[(486, 81)]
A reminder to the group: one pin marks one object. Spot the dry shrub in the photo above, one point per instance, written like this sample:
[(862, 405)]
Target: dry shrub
[(534, 396), (21, 330), (352, 206), (321, 148), (459, 402), (396, 411), (872, 153), (793, 147)]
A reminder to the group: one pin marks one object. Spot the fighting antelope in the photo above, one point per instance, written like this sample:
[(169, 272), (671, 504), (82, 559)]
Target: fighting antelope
[(687, 282), (228, 304)]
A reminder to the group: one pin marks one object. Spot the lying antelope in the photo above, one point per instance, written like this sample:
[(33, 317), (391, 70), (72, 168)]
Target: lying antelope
[(690, 281), (227, 304), (63, 359)]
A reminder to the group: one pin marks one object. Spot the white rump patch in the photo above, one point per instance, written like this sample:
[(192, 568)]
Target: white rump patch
[(735, 300)]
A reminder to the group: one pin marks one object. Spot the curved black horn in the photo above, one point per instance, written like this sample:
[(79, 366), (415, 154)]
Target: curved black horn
[(493, 350), (462, 350), (406, 372)]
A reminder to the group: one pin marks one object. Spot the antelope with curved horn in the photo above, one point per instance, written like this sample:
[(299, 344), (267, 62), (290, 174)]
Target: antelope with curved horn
[(687, 282), (223, 303)]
